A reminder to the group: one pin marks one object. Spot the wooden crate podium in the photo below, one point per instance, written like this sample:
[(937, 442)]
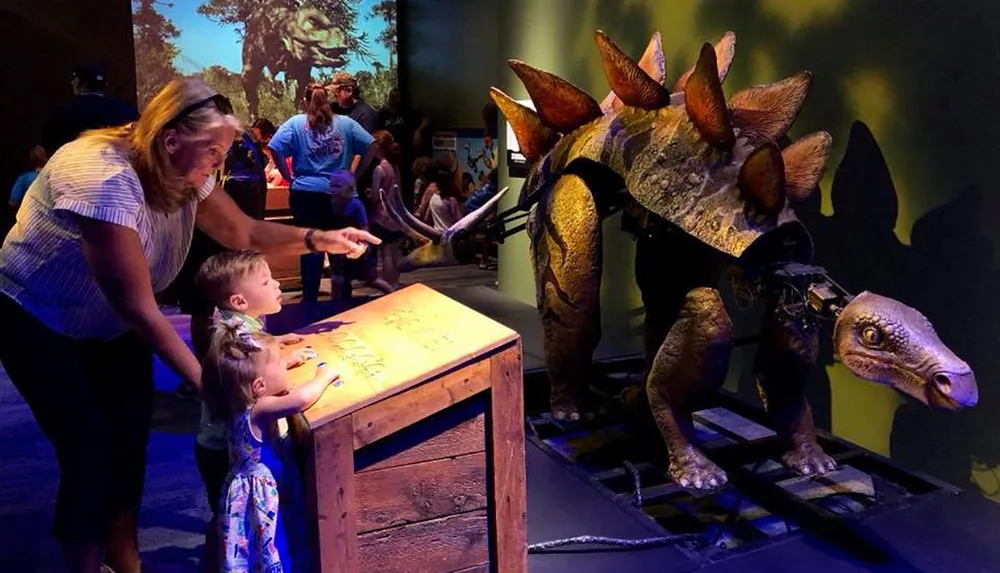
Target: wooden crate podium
[(416, 459)]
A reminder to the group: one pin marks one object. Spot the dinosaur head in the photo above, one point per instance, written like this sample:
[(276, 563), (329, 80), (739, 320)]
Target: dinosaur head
[(435, 247), (310, 36), (883, 340)]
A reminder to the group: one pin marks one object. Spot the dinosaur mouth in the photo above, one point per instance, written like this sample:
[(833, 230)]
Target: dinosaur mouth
[(935, 398)]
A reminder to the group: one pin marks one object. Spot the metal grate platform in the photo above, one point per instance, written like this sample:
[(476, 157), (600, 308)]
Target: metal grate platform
[(763, 503)]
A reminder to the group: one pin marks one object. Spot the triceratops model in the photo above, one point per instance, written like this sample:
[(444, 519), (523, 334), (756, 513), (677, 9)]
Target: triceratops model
[(706, 189)]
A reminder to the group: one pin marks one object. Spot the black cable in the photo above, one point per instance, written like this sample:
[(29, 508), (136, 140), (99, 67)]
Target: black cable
[(617, 541)]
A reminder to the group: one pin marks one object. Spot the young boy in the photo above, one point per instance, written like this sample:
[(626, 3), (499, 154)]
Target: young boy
[(349, 211), (240, 285)]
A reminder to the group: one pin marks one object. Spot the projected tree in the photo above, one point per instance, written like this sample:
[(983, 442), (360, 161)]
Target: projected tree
[(154, 50)]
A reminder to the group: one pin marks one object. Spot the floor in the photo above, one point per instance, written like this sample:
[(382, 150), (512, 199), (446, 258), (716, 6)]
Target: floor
[(948, 533), (174, 509)]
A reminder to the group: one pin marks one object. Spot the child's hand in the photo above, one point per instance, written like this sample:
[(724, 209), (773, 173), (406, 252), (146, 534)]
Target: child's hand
[(299, 357), (326, 376), (290, 339)]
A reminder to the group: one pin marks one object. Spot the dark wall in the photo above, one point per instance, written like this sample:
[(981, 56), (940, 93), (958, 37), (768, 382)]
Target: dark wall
[(449, 53), (41, 42)]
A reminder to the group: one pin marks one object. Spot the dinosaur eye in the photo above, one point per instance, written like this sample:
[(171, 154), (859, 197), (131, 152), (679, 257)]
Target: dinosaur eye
[(872, 336)]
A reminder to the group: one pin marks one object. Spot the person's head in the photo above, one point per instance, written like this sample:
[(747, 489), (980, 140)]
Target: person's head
[(38, 157), (179, 141), (263, 130), (240, 281), (420, 166), (342, 184), (395, 101), (88, 79), (240, 368), (492, 178), (390, 149), (488, 141), (468, 183), (345, 89), (318, 110), (441, 174)]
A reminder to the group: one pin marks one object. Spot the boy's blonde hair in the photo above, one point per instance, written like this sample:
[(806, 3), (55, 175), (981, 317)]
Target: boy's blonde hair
[(220, 272), (235, 359)]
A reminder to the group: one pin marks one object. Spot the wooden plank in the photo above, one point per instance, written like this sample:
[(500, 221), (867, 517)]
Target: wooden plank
[(394, 343), (330, 485), (402, 410), (447, 544), (277, 200), (455, 431), (420, 492), (505, 435)]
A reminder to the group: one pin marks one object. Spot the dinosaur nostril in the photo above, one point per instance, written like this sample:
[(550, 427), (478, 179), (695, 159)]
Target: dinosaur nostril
[(942, 382)]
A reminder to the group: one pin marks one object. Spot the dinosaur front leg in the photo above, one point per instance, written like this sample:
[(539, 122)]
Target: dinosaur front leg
[(786, 354), (565, 232), (691, 363)]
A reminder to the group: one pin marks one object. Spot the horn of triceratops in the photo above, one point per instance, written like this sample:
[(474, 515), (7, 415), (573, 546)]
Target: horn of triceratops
[(471, 219), (413, 227)]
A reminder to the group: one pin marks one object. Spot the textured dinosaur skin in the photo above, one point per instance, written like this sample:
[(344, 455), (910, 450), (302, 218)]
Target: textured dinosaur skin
[(707, 192), (284, 38)]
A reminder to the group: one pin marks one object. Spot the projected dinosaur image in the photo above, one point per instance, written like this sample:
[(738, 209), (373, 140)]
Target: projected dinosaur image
[(708, 193), (262, 54)]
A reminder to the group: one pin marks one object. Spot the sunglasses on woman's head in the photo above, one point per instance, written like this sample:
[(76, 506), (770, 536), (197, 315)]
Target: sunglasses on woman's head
[(221, 102)]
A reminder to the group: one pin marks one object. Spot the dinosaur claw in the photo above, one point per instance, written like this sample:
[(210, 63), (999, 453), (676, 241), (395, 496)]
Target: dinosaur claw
[(809, 459)]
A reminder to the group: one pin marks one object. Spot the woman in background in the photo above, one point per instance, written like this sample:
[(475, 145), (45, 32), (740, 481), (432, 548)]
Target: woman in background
[(386, 176), (440, 205), (318, 143)]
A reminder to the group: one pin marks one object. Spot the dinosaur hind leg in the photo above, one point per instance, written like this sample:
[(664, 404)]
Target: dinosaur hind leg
[(565, 232), (786, 354), (691, 363), (251, 79)]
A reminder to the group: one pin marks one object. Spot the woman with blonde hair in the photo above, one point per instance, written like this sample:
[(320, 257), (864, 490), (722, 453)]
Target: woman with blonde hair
[(106, 225)]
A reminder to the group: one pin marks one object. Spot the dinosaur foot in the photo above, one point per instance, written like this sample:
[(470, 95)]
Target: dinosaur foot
[(692, 469), (573, 410), (573, 414), (809, 459), (568, 408)]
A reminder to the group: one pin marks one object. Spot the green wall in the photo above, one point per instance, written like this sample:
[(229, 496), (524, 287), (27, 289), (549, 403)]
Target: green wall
[(917, 77)]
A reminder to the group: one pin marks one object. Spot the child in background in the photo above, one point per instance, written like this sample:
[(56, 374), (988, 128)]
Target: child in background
[(262, 524), (38, 159), (349, 211), (240, 285)]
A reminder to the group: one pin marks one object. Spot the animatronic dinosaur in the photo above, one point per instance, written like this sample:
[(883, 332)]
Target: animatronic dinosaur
[(287, 37), (707, 190), (434, 247)]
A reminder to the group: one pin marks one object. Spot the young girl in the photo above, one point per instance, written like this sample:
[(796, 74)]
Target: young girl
[(262, 523), (239, 284)]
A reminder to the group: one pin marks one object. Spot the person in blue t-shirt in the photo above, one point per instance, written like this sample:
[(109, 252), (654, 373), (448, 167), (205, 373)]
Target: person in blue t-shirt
[(38, 157), (319, 144)]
